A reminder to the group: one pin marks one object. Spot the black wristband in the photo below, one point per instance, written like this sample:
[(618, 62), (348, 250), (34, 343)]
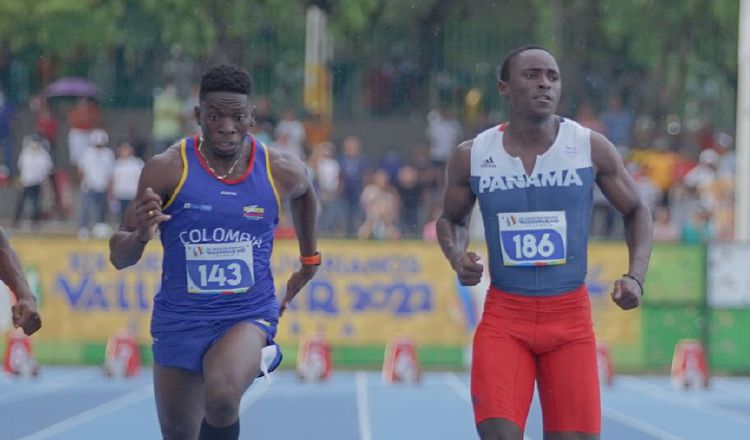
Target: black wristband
[(627, 275)]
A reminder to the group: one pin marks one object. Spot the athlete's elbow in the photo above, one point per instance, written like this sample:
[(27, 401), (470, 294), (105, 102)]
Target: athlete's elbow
[(118, 263)]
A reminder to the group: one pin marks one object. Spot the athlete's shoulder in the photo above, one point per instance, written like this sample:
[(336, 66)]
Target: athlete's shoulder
[(163, 171), (492, 132)]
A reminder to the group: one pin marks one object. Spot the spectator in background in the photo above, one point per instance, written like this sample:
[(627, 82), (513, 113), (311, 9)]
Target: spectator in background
[(327, 172), (125, 176), (263, 132), (138, 141), (6, 118), (703, 180), (698, 229), (95, 168), (82, 119), (46, 123), (381, 203), (167, 116), (34, 168), (391, 163), (410, 193), (647, 190), (292, 129), (443, 133), (664, 228), (618, 124), (263, 114), (284, 143), (353, 168)]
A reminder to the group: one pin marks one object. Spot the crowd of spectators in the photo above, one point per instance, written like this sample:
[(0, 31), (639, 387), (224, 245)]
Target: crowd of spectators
[(685, 173)]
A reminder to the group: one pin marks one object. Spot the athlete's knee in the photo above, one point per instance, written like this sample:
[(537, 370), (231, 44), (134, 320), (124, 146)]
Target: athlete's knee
[(222, 404), (499, 429)]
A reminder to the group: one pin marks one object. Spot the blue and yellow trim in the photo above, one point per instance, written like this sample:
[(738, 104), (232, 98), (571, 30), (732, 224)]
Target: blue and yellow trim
[(270, 177), (183, 154)]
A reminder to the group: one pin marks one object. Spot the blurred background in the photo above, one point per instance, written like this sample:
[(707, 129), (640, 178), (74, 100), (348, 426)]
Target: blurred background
[(372, 95)]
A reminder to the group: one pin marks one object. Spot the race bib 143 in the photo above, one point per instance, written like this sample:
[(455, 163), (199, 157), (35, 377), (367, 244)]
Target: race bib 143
[(219, 267)]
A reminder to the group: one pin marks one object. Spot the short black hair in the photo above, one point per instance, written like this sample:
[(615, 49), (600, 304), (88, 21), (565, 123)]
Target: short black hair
[(225, 78), (503, 73)]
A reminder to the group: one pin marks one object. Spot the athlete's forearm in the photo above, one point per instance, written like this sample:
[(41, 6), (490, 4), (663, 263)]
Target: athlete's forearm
[(453, 238), (304, 210), (125, 249), (11, 270), (638, 235)]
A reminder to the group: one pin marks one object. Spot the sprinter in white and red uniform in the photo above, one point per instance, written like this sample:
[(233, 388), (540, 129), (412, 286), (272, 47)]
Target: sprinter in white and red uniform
[(216, 200), (533, 178)]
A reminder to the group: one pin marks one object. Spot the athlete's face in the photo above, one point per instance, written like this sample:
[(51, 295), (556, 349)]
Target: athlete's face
[(225, 119), (533, 85)]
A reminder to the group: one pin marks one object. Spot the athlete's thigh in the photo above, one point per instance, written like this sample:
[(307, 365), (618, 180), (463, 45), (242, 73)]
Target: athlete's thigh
[(231, 364), (568, 384), (179, 402), (502, 379)]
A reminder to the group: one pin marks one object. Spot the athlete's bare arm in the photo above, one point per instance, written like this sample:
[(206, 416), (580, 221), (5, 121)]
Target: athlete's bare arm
[(618, 187), (294, 184), (453, 224), (159, 178), (24, 310)]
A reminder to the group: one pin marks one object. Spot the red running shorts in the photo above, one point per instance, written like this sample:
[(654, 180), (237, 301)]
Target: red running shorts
[(548, 339)]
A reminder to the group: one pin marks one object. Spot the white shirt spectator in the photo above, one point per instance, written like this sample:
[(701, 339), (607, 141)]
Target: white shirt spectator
[(443, 131), (96, 166), (125, 177), (293, 130), (34, 164), (328, 174)]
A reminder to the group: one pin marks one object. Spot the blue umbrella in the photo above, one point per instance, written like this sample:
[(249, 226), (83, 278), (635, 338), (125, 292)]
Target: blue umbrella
[(72, 86)]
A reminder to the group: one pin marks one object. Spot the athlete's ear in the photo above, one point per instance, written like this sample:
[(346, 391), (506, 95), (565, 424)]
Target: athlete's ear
[(502, 88), (197, 111)]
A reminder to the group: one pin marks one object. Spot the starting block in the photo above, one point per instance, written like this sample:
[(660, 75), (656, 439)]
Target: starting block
[(604, 364), (314, 359), (689, 365), (122, 358), (19, 355), (401, 363)]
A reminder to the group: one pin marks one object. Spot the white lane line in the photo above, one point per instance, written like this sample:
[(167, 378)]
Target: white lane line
[(254, 393), (363, 407), (58, 428), (457, 385), (685, 401), (638, 425), (47, 387)]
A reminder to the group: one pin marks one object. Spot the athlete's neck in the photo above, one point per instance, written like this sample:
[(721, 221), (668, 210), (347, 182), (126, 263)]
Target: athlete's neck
[(223, 164), (522, 133)]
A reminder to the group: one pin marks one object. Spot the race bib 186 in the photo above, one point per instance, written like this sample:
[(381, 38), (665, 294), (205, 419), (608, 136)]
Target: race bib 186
[(533, 238), (219, 267)]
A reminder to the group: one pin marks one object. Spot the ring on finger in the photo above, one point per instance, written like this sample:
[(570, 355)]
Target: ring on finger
[(151, 213)]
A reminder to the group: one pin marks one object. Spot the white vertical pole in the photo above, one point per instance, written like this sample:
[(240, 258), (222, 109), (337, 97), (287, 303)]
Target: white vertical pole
[(742, 139), (318, 54)]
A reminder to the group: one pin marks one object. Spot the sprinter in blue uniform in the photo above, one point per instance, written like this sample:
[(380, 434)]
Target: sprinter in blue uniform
[(215, 201)]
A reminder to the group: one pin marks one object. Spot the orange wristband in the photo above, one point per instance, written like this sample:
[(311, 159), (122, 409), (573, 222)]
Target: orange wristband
[(312, 260)]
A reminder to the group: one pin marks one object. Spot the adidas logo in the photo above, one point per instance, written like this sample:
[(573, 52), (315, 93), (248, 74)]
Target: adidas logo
[(488, 163)]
